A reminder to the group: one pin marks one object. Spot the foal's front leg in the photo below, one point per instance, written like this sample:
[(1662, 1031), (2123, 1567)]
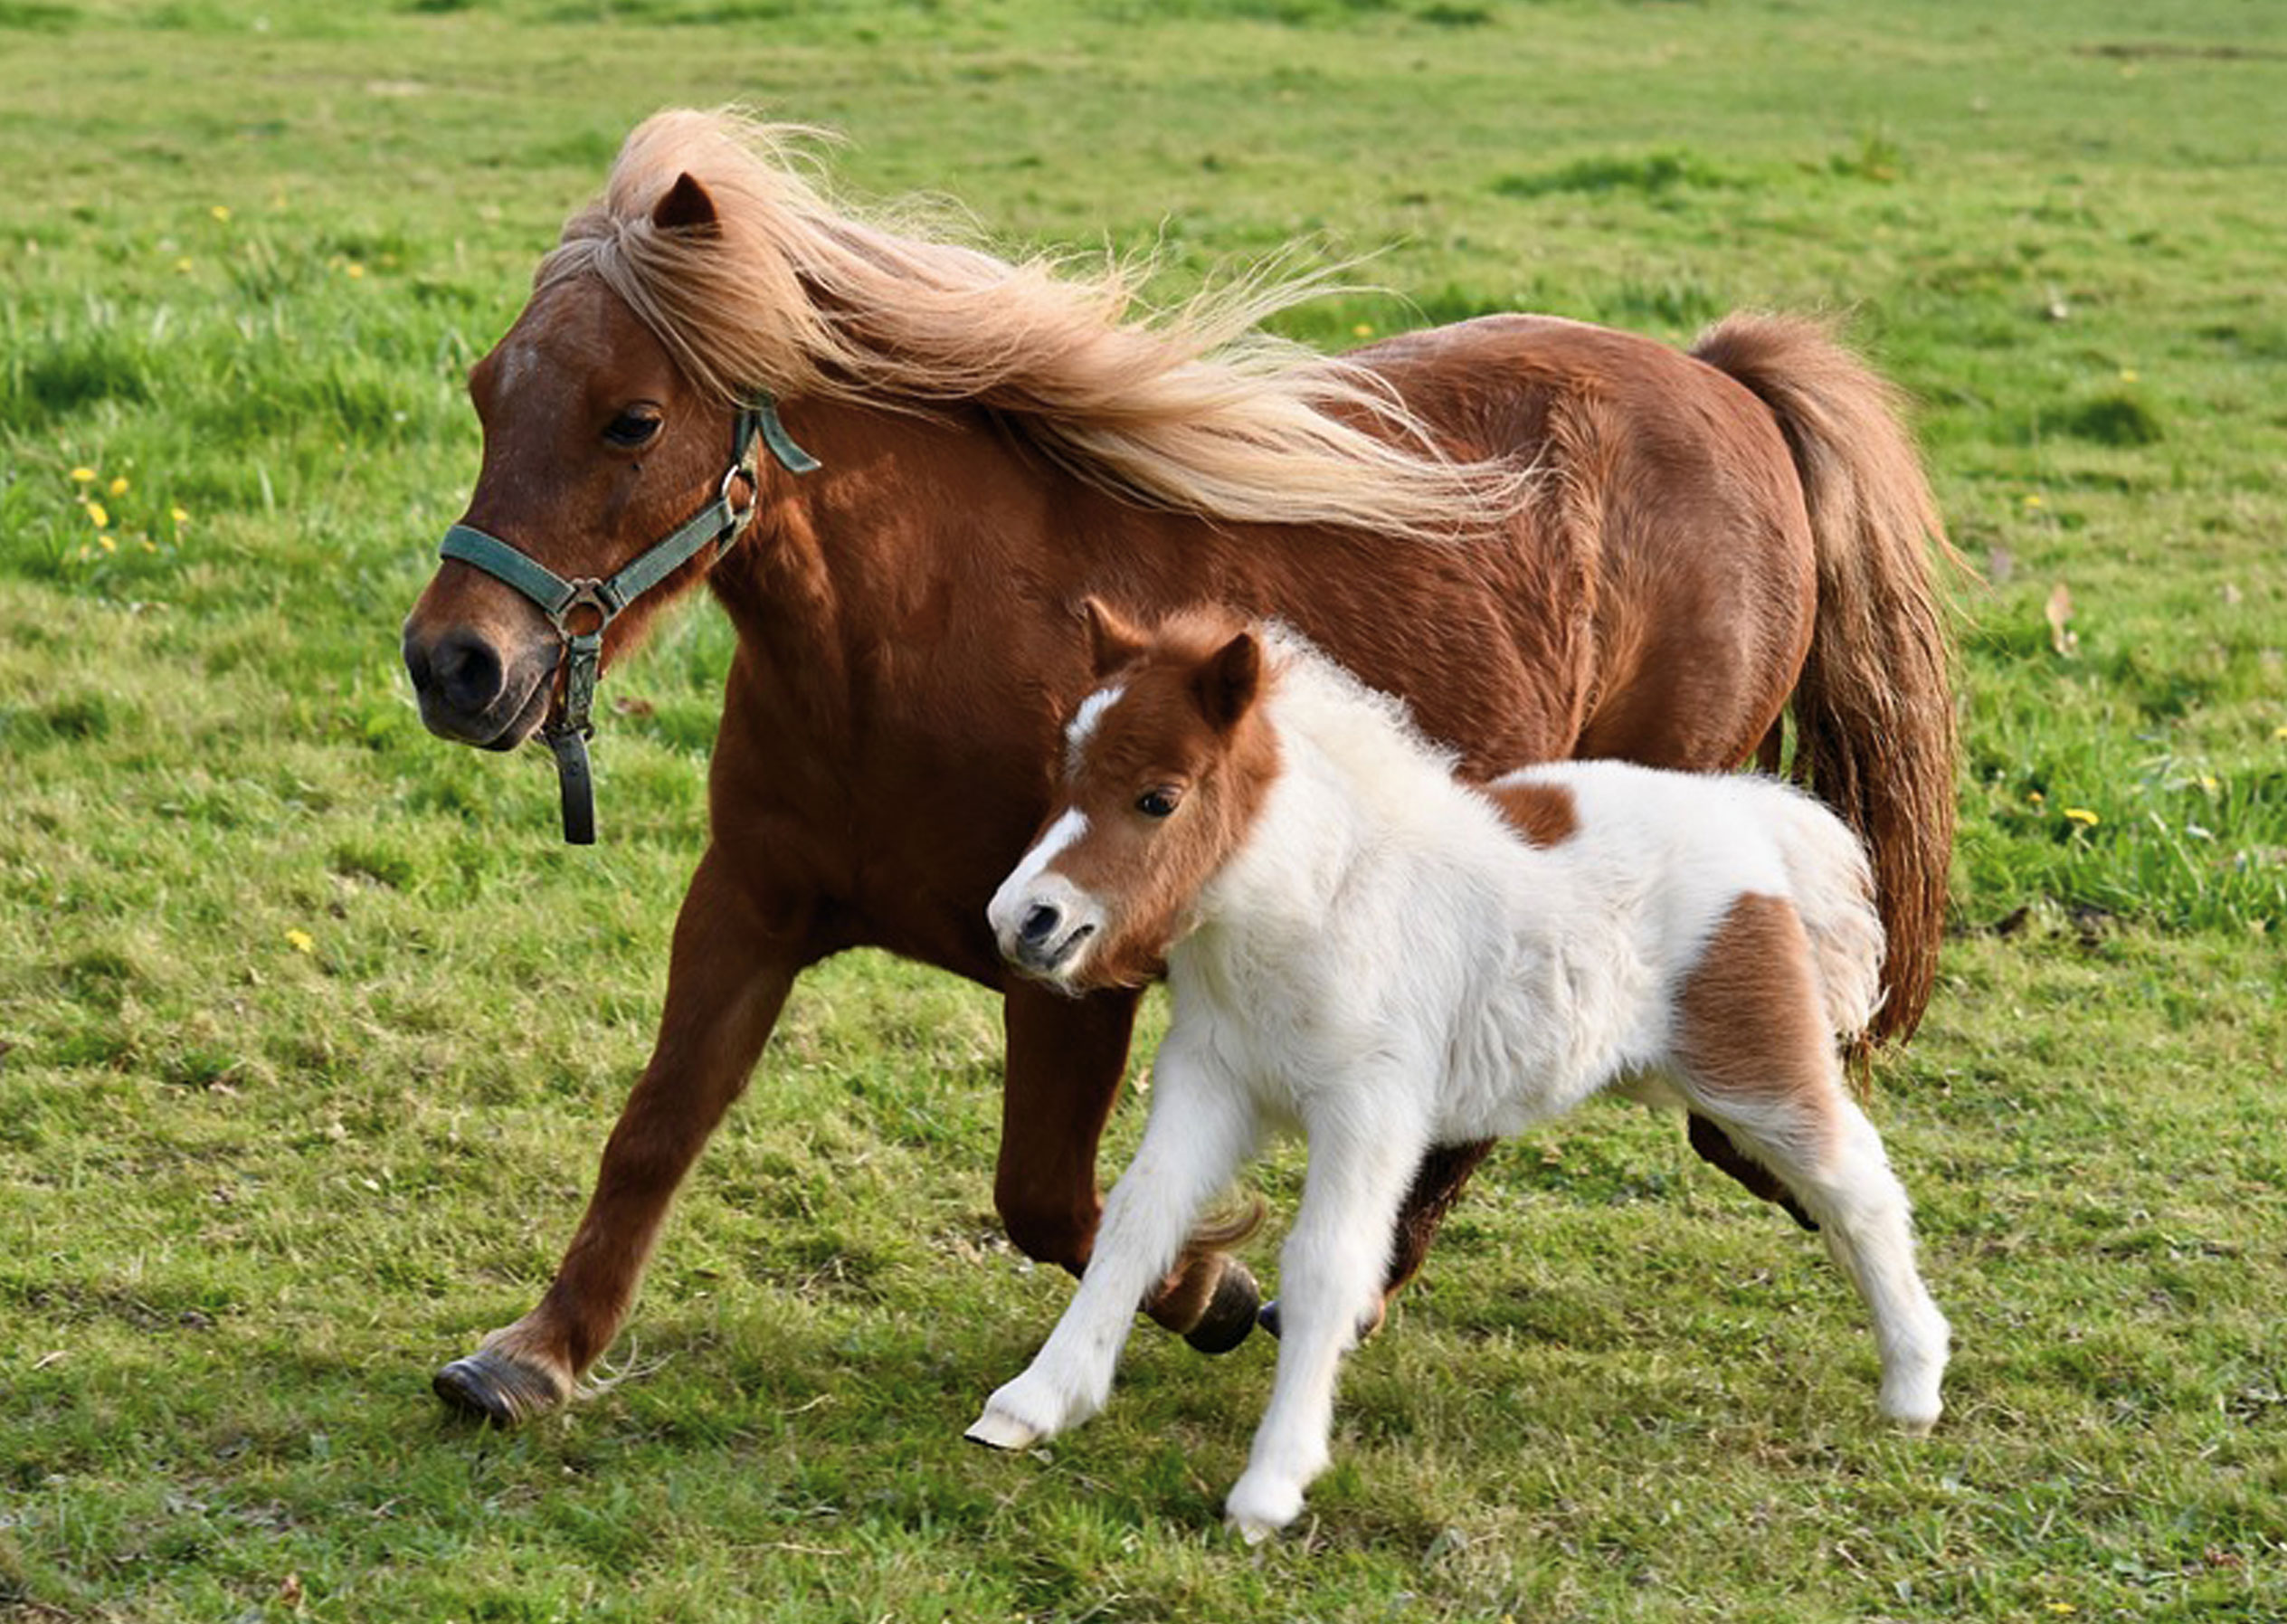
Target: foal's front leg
[(1330, 1292), (1066, 1057), (1201, 1128)]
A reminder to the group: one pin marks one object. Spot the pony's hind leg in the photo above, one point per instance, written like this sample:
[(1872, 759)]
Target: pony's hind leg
[(1753, 1056)]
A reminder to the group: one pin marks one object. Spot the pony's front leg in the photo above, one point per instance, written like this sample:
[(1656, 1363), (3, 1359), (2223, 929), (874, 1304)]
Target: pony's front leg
[(727, 979), (1330, 1284), (1064, 1060), (1201, 1128)]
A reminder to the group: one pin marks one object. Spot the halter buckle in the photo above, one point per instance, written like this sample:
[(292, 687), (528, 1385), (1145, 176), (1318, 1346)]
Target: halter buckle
[(743, 469), (589, 593)]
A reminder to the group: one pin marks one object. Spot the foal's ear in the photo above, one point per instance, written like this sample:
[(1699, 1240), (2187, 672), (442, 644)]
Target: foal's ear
[(686, 207), (1112, 641), (1227, 684)]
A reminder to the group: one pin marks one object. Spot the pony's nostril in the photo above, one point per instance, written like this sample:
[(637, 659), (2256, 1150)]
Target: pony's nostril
[(466, 671), (1038, 924)]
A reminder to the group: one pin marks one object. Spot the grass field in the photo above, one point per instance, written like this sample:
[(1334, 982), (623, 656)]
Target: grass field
[(310, 1030)]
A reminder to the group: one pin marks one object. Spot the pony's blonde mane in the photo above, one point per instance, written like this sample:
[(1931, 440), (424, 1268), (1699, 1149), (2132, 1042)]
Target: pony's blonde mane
[(1195, 410)]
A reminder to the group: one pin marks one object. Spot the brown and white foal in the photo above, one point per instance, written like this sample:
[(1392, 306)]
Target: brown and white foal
[(1362, 946)]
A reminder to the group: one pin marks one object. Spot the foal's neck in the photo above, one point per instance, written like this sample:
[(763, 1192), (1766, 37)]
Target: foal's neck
[(1352, 770)]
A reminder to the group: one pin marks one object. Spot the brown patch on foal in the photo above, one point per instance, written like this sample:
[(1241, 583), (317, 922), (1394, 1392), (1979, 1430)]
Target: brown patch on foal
[(1751, 1025), (1545, 814)]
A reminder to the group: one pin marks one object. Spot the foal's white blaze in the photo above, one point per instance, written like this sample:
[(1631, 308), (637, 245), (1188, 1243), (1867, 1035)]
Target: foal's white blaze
[(1034, 883), (1084, 720)]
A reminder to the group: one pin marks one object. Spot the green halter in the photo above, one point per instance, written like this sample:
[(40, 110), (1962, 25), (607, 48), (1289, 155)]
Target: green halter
[(719, 523)]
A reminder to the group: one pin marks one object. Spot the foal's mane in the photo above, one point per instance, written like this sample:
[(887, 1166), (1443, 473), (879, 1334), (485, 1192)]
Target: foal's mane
[(1195, 410)]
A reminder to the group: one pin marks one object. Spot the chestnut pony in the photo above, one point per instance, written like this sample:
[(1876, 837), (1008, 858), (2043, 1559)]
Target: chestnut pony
[(1551, 539)]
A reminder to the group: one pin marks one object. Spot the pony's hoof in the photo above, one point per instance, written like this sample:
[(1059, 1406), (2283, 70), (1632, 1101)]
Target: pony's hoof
[(1266, 1316), (488, 1386), (1230, 1312)]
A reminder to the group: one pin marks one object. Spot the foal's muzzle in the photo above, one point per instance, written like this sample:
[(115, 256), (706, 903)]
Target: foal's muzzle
[(1043, 931), (1046, 940)]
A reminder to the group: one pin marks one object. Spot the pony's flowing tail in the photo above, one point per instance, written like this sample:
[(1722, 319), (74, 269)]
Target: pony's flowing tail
[(1874, 734)]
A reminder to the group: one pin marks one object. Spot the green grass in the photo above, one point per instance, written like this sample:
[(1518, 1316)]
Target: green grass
[(313, 1032)]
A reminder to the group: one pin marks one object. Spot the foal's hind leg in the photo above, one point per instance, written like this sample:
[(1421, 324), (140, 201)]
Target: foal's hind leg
[(1754, 1057)]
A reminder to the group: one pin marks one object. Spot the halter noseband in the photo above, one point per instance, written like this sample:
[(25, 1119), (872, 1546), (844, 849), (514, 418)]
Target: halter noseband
[(719, 522)]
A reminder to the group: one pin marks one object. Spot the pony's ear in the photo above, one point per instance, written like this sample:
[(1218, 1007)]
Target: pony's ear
[(1112, 641), (1228, 683), (686, 207)]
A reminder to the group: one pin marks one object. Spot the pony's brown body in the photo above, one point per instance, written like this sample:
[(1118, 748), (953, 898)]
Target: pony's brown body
[(909, 651), (901, 644)]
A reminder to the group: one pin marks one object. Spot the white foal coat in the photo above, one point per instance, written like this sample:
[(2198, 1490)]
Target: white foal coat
[(1386, 964)]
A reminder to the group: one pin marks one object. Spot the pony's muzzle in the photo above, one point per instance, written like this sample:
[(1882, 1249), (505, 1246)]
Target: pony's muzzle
[(473, 691)]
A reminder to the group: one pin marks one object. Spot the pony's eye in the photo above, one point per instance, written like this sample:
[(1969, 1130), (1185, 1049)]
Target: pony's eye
[(1158, 803), (633, 427)]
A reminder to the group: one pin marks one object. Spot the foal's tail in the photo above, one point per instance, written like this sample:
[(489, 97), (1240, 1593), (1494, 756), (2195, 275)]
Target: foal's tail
[(1833, 890), (1874, 707)]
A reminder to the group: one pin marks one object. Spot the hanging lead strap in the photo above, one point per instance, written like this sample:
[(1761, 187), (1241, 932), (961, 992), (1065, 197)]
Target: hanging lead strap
[(600, 602), (575, 786)]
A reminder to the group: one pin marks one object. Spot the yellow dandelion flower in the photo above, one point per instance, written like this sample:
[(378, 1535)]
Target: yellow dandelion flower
[(2128, 375), (117, 487), (301, 941), (1364, 329), (2037, 501), (2066, 1607), (84, 475), (182, 267), (2083, 816), (221, 211), (97, 516), (107, 544), (2279, 732), (146, 544), (181, 516), (354, 271), (2207, 782)]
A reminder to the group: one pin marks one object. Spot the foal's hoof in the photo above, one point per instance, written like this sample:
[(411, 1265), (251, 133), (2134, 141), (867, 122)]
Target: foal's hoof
[(998, 1429), (1266, 1316), (1230, 1312), (491, 1386)]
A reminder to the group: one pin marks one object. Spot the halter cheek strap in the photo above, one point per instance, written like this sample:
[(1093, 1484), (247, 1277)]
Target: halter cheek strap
[(580, 610)]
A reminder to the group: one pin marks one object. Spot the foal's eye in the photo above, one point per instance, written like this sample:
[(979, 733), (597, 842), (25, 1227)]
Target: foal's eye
[(1158, 803), (633, 427)]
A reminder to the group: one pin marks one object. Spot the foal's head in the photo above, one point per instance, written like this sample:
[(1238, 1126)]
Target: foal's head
[(1165, 766)]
